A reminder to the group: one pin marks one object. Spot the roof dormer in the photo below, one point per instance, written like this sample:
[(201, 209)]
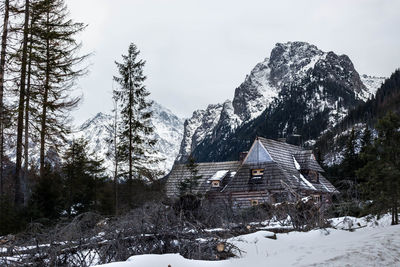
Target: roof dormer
[(217, 179)]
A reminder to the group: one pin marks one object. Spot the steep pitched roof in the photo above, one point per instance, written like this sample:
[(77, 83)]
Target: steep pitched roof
[(283, 154), (286, 155), (281, 162)]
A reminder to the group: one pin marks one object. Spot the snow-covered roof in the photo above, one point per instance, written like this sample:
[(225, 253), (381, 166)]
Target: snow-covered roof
[(219, 175)]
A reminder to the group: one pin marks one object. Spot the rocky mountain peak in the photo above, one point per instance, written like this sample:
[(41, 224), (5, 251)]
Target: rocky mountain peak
[(290, 59), (372, 83), (340, 69), (297, 85)]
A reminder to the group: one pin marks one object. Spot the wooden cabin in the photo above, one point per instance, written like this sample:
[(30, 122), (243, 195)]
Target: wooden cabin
[(271, 172)]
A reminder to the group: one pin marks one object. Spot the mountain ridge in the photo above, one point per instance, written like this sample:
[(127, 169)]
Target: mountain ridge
[(168, 130), (320, 85)]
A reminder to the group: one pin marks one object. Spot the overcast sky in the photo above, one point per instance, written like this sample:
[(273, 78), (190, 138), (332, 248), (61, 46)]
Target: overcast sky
[(198, 52)]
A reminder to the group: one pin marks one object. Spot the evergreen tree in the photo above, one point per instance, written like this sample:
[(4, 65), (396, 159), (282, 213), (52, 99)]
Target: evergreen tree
[(189, 184), (136, 144), (366, 139), (347, 180), (32, 83), (366, 143), (58, 65), (84, 175), (19, 194), (47, 200), (350, 156), (382, 170)]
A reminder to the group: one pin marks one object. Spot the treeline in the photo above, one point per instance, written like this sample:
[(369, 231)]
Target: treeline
[(367, 139), (43, 174), (387, 98), (40, 62), (369, 175)]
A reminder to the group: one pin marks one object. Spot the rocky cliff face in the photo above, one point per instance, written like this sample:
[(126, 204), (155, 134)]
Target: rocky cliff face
[(298, 88), (372, 83)]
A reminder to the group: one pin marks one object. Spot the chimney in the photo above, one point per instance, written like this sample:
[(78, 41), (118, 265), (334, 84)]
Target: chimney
[(295, 139)]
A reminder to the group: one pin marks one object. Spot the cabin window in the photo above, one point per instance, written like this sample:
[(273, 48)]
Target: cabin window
[(215, 184), (257, 173), (316, 198), (254, 202), (256, 176)]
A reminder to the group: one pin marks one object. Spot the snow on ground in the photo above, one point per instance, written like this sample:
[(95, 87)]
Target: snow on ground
[(376, 244)]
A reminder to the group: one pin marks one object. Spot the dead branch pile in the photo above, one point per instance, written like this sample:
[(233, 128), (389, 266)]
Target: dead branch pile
[(91, 239)]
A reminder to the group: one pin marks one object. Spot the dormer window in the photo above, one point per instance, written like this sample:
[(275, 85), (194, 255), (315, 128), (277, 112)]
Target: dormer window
[(254, 202), (215, 183), (218, 177)]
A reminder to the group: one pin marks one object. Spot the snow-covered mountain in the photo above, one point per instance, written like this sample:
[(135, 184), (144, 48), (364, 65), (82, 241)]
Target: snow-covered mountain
[(168, 132), (372, 83), (297, 85)]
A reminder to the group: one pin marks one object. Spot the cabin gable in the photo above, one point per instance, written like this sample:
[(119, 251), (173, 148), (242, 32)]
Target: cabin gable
[(257, 154)]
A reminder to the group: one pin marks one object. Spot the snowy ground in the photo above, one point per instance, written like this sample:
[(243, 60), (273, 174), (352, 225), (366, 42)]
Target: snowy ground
[(374, 244)]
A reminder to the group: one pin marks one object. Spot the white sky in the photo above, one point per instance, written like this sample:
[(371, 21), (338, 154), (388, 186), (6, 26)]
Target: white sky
[(198, 52)]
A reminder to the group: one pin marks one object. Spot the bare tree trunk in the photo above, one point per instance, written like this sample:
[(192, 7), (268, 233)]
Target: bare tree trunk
[(116, 158), (26, 134), (44, 110), (19, 195), (2, 71), (130, 146)]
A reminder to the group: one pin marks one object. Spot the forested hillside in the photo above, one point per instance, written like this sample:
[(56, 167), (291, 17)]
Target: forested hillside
[(387, 99)]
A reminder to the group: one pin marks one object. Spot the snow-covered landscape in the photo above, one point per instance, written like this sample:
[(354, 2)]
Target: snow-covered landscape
[(371, 243), (199, 133)]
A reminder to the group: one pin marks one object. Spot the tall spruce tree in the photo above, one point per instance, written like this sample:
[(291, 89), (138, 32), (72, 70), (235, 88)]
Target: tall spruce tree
[(32, 83), (382, 170), (350, 155), (19, 194), (190, 183), (347, 181), (366, 139), (135, 129), (366, 143), (58, 66)]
